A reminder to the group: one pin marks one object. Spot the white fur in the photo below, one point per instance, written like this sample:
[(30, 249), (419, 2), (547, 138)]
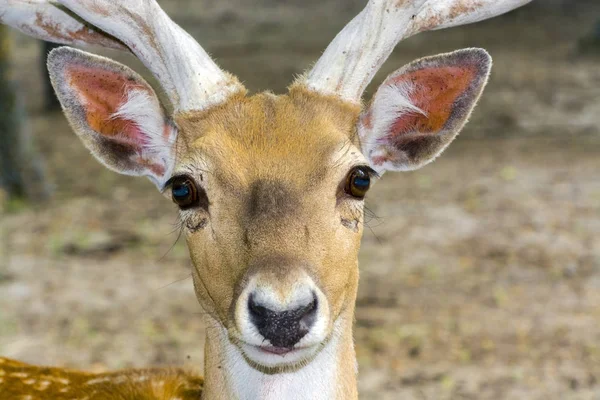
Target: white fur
[(33, 17), (360, 49), (315, 381), (144, 110), (266, 293), (391, 102)]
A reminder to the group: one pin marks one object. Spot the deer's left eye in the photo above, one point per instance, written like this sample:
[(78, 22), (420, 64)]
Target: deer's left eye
[(358, 182), (184, 192)]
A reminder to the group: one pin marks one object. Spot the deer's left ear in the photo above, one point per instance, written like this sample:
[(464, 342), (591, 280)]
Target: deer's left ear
[(420, 109)]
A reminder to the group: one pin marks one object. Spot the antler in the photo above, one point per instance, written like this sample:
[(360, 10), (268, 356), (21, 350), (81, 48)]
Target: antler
[(53, 23), (360, 49), (190, 78)]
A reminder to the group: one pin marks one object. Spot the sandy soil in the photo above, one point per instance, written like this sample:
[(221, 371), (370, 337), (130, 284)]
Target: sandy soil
[(480, 274)]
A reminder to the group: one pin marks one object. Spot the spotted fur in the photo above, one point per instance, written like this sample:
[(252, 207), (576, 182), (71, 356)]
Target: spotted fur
[(23, 381)]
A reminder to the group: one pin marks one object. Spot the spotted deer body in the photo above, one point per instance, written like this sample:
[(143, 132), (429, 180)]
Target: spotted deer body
[(27, 382), (270, 188)]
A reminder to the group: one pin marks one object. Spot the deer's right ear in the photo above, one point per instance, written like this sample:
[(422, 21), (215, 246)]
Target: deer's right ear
[(115, 112)]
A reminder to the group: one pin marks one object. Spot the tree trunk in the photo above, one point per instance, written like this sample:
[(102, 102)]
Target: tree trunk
[(21, 168), (51, 102)]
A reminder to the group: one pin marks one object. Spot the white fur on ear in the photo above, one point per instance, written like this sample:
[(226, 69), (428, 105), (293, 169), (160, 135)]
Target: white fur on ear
[(140, 108), (392, 102)]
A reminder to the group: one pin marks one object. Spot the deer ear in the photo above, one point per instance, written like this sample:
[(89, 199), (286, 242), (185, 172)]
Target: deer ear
[(115, 113), (420, 109)]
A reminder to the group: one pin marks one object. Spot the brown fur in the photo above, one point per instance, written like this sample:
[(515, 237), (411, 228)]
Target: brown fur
[(271, 185)]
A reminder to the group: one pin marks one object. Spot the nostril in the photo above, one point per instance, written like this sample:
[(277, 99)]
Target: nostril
[(308, 311), (257, 310), (307, 316), (309, 308)]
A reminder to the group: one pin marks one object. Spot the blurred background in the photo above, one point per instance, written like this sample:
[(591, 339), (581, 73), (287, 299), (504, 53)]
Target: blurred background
[(480, 274)]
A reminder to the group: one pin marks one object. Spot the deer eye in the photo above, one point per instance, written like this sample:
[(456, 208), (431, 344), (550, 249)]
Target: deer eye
[(358, 182), (184, 192)]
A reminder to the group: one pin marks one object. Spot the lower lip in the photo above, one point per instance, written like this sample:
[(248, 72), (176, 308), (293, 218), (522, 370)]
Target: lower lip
[(280, 351)]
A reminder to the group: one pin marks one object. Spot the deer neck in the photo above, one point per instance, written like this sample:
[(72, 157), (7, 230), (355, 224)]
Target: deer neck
[(330, 375)]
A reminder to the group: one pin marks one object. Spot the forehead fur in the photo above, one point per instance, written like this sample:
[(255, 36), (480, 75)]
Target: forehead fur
[(267, 137)]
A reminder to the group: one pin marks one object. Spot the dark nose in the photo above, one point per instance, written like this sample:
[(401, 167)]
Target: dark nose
[(283, 328)]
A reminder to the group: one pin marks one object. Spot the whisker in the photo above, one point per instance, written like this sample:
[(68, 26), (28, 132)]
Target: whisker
[(188, 276), (174, 243)]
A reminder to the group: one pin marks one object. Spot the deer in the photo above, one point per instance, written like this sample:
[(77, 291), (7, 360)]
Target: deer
[(270, 188)]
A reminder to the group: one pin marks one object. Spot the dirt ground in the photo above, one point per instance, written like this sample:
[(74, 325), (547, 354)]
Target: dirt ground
[(480, 274)]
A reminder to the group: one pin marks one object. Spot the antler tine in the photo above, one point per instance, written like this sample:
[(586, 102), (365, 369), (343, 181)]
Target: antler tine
[(191, 79), (360, 49), (53, 23)]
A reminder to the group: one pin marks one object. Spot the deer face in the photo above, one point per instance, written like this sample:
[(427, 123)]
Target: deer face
[(270, 188), (276, 223)]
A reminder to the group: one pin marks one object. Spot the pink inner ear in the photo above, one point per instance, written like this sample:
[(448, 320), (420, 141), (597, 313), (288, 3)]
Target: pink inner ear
[(101, 93), (435, 91)]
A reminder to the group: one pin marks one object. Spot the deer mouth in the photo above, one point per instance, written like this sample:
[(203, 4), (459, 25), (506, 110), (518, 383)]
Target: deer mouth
[(272, 359)]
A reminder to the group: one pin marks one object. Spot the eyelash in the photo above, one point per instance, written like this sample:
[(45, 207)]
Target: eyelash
[(372, 173)]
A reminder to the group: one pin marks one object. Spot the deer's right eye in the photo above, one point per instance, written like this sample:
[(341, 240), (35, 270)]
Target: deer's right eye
[(184, 192), (358, 182)]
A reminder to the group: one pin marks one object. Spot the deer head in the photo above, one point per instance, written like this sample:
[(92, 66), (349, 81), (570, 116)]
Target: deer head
[(270, 188)]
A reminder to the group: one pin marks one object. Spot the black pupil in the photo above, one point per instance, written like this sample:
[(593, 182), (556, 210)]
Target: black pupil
[(361, 180), (181, 191)]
